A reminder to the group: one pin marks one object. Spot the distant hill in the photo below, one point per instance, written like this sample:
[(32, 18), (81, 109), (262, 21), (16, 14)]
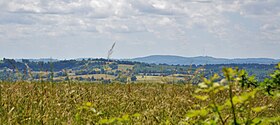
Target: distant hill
[(39, 60), (200, 60)]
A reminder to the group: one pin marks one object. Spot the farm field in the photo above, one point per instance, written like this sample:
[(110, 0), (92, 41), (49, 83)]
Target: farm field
[(158, 78), (88, 103)]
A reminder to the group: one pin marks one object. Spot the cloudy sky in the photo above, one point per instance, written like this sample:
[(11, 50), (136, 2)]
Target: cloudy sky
[(87, 28)]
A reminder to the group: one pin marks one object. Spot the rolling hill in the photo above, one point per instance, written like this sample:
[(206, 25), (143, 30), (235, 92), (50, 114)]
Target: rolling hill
[(200, 60)]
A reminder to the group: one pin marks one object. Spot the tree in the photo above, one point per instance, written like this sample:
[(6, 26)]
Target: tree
[(133, 78), (92, 78)]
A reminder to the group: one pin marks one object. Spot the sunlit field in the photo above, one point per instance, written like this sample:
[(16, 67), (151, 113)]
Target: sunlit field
[(91, 103)]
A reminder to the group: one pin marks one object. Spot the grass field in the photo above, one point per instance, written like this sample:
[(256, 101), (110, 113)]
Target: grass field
[(87, 103), (123, 67), (158, 79)]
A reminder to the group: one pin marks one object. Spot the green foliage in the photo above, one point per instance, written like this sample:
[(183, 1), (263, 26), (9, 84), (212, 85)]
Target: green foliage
[(246, 80), (239, 102), (272, 84)]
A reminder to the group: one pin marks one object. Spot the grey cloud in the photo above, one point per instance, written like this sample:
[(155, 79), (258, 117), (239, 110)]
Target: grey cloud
[(262, 8), (148, 8), (271, 27), (271, 32)]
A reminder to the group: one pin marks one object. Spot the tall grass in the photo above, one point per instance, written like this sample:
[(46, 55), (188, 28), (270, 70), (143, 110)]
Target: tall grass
[(85, 103)]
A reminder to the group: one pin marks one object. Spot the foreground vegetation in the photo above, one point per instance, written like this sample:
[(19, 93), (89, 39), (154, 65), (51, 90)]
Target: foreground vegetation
[(149, 103), (231, 98)]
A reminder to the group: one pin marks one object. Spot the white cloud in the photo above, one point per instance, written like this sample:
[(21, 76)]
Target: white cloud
[(170, 21)]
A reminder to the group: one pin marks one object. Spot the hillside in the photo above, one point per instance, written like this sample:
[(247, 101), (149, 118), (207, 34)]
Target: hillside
[(200, 60), (99, 69)]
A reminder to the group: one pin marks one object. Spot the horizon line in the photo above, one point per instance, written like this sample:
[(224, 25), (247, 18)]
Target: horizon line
[(140, 57)]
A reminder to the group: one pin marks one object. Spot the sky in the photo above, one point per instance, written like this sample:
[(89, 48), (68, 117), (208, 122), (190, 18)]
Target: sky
[(66, 29)]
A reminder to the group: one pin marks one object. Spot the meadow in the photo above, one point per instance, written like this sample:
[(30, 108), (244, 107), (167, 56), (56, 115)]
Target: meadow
[(87, 103)]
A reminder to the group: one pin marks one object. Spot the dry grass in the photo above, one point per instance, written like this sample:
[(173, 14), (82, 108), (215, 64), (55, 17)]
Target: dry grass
[(158, 78), (60, 103)]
